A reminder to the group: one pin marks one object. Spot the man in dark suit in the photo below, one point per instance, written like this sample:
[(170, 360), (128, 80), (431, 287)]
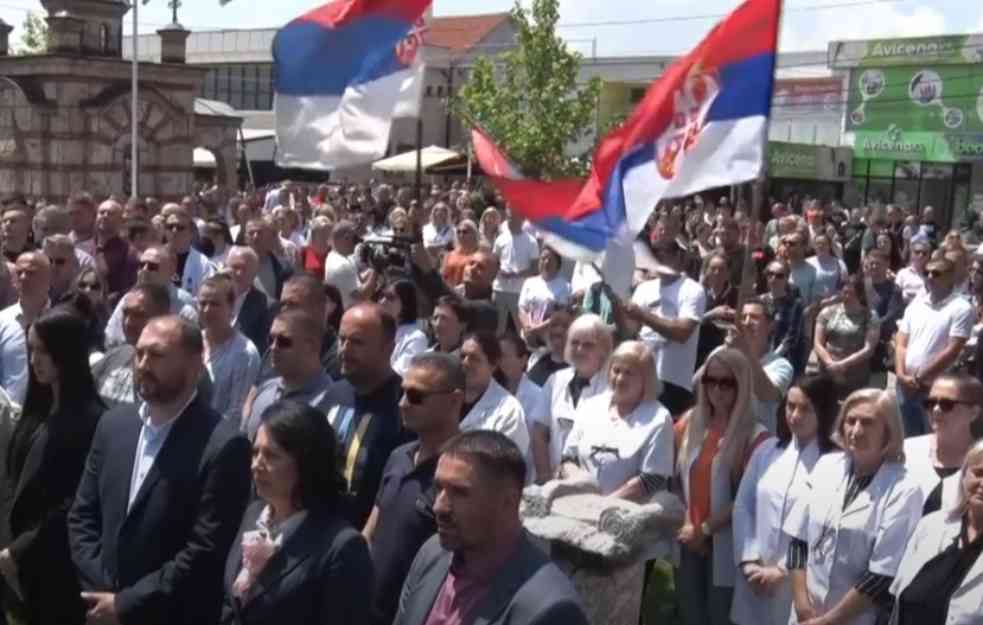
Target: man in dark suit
[(163, 493), (252, 313), (482, 567)]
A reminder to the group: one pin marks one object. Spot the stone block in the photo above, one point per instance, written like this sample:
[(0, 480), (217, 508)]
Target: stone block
[(60, 121), (25, 119), (100, 154), (33, 151), (77, 181), (9, 179), (57, 184)]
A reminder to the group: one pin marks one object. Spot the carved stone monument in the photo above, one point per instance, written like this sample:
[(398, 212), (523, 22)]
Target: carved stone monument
[(65, 116)]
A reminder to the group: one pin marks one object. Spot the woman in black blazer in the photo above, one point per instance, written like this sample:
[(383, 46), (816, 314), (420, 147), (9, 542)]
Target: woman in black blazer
[(295, 559), (45, 458)]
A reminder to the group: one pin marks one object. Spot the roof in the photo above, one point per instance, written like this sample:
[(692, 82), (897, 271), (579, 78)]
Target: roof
[(461, 33)]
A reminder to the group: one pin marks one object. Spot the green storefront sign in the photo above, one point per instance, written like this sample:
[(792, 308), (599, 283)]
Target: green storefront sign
[(944, 50), (903, 145), (791, 160), (946, 98)]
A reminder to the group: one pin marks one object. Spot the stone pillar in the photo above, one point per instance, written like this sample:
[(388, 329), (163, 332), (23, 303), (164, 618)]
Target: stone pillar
[(64, 33), (5, 29), (174, 44)]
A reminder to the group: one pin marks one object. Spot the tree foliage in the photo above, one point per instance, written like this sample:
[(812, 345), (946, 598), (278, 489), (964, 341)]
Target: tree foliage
[(528, 98), (34, 36)]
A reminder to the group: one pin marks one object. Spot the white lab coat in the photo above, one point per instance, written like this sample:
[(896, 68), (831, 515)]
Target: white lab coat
[(772, 483), (409, 342), (921, 470), (721, 497), (933, 535), (529, 395), (870, 534), (556, 411), (499, 411), (196, 270)]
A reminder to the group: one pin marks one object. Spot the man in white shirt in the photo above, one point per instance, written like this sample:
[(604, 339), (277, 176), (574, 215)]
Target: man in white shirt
[(340, 269), (33, 272), (770, 373), (931, 335), (517, 253), (669, 309)]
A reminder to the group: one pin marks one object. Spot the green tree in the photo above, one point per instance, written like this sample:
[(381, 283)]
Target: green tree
[(34, 37), (528, 98)]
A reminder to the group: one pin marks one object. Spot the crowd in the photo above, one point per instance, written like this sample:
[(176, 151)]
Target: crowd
[(321, 404)]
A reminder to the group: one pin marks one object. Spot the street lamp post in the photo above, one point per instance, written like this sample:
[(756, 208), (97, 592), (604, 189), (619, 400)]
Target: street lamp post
[(135, 108)]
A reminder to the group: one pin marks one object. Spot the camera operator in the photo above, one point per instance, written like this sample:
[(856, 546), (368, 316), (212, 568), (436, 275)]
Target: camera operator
[(340, 269)]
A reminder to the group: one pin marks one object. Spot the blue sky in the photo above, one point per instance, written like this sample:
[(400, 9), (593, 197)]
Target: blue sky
[(807, 24)]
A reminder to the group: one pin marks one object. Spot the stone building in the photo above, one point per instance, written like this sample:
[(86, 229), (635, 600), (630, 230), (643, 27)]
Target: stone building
[(65, 116)]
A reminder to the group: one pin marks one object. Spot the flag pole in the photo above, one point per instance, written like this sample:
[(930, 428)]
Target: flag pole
[(135, 106), (419, 161)]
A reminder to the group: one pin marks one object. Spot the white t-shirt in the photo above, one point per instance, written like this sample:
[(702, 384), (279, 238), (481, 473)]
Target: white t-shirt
[(538, 296), (930, 326), (515, 252), (682, 299), (780, 372), (618, 265), (437, 237), (910, 283), (341, 272), (830, 274), (615, 450)]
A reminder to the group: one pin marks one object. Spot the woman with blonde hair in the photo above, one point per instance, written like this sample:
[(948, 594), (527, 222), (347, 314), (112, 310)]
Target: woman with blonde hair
[(849, 532), (940, 579), (715, 440), (490, 223), (623, 436), (465, 246)]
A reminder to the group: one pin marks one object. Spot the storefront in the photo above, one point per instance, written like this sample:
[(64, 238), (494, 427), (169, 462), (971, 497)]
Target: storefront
[(915, 111), (803, 170)]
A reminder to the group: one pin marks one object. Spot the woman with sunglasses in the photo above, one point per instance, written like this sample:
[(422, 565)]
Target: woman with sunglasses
[(92, 285), (786, 302), (399, 300), (768, 492), (849, 531), (715, 441), (940, 580), (466, 244), (847, 334), (953, 408)]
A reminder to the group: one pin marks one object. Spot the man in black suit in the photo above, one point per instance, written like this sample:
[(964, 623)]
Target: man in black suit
[(252, 316), (163, 493)]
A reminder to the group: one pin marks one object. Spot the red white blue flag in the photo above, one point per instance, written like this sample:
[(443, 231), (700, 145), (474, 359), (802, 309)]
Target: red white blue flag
[(344, 71), (702, 124)]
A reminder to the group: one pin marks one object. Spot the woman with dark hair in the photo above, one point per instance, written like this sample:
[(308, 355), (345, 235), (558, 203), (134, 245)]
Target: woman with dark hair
[(448, 323), (487, 405), (217, 241), (399, 300), (769, 489), (296, 560), (847, 333), (45, 460)]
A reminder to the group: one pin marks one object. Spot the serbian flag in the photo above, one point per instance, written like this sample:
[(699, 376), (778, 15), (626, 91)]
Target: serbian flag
[(702, 124), (344, 71)]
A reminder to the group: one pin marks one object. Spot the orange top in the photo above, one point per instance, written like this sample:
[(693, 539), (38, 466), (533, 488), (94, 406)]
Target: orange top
[(699, 478), (453, 270)]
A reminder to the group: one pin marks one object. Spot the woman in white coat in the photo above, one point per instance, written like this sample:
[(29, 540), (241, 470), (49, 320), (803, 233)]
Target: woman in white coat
[(487, 405), (399, 300), (851, 527), (623, 436), (588, 345), (768, 493), (953, 405), (940, 580), (715, 440)]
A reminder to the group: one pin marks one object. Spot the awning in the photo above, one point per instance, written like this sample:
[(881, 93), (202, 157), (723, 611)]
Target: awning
[(406, 162), (204, 158)]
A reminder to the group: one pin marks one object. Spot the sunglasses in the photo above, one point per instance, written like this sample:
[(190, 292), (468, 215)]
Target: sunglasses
[(89, 286), (774, 274), (721, 383), (149, 265), (944, 405), (920, 252), (176, 227), (281, 342), (59, 262), (416, 397)]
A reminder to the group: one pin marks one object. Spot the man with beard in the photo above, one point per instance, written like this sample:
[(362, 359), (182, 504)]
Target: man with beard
[(163, 493), (482, 563)]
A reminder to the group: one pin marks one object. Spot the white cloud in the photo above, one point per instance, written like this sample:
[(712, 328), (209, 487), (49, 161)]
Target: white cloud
[(814, 30)]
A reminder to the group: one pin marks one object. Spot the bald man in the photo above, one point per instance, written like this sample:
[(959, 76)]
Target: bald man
[(366, 405), (113, 255), (33, 280)]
